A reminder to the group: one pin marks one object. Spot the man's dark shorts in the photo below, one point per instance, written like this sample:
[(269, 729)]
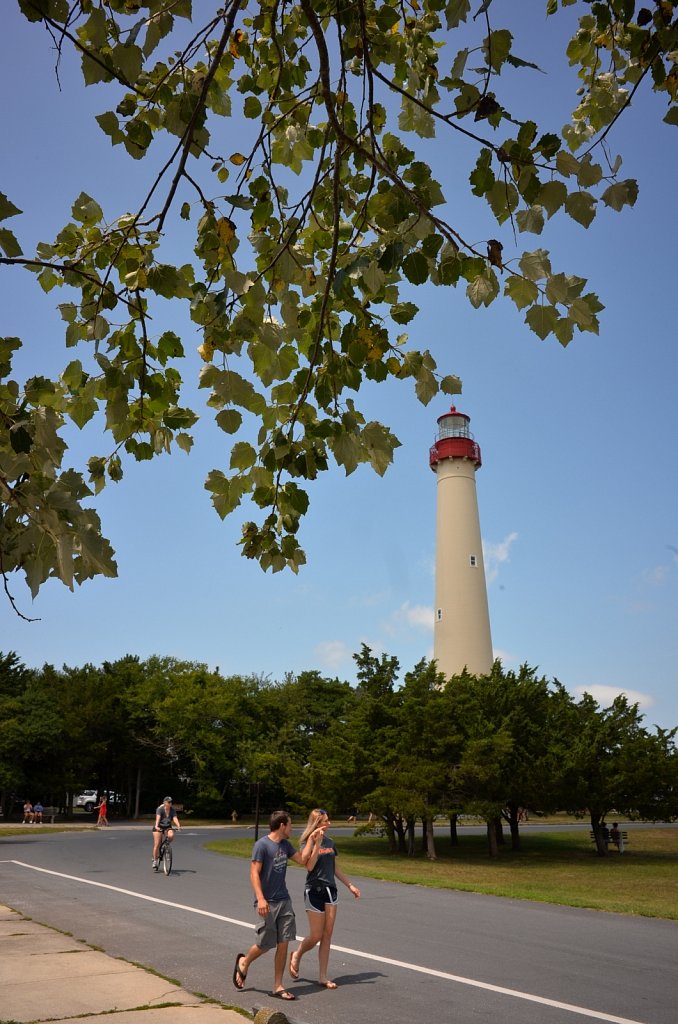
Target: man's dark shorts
[(279, 925)]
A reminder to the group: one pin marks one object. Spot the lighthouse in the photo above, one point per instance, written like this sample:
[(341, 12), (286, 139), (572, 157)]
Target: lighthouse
[(461, 632)]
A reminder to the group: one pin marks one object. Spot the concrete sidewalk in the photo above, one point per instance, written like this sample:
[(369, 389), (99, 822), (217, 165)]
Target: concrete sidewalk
[(48, 976)]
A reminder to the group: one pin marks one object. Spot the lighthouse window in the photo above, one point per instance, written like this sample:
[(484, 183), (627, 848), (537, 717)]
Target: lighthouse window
[(473, 561), (439, 614), (456, 427)]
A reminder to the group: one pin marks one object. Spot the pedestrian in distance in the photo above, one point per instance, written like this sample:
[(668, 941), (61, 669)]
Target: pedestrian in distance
[(102, 808), (28, 813), (277, 925), (37, 813), (616, 837), (320, 894)]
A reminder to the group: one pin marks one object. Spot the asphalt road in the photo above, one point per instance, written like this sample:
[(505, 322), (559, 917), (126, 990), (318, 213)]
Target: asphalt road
[(401, 953)]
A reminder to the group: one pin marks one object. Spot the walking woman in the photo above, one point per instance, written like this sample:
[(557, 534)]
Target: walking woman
[(320, 894)]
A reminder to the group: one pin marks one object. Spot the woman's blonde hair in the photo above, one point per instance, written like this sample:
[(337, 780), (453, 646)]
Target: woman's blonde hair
[(316, 815)]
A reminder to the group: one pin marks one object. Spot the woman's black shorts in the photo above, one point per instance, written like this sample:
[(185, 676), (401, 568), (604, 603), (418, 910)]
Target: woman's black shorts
[(316, 897)]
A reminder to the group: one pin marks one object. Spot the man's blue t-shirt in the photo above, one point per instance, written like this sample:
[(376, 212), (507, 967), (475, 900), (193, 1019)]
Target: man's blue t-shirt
[(273, 859)]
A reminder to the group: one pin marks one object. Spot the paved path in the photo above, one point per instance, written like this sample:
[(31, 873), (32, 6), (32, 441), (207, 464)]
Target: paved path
[(46, 975)]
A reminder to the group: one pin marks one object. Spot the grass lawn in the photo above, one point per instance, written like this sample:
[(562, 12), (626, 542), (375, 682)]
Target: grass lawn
[(553, 867)]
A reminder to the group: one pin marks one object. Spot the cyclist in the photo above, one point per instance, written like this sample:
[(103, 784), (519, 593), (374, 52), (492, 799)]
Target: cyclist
[(165, 821)]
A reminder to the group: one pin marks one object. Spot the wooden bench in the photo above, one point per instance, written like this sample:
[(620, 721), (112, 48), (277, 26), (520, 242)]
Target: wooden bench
[(50, 815), (610, 842)]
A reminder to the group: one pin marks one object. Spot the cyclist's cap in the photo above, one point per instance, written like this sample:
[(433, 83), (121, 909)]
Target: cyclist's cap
[(167, 800)]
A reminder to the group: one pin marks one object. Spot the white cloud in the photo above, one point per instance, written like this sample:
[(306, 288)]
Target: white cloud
[(604, 695), (656, 576), (332, 653), (504, 656), (496, 554), (417, 616)]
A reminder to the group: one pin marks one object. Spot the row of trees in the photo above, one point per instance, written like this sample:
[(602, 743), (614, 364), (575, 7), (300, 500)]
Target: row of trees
[(408, 751)]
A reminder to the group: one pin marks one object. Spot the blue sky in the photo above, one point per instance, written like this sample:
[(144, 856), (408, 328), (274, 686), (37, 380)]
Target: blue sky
[(578, 493)]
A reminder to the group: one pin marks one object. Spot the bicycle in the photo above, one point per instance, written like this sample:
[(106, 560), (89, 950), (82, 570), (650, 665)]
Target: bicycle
[(164, 855)]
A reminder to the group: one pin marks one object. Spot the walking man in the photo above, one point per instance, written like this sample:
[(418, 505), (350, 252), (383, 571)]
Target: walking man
[(277, 925)]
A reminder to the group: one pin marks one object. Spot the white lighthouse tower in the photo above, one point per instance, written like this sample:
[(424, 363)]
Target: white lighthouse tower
[(461, 635)]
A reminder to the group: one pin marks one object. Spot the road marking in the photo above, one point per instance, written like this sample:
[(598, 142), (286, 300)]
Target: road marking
[(137, 895), (583, 1011)]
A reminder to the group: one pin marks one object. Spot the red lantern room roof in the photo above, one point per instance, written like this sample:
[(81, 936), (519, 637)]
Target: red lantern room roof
[(454, 412), (454, 440)]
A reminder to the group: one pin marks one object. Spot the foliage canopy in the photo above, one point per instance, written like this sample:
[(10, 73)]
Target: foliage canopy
[(285, 138)]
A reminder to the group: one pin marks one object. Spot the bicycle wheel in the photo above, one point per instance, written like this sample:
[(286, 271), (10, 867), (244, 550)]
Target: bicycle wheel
[(167, 857)]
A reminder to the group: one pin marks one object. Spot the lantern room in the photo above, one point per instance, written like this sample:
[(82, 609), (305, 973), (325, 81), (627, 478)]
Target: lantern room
[(454, 440)]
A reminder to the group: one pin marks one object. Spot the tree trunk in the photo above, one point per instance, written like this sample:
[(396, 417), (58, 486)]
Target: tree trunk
[(499, 829), (513, 825), (400, 831), (454, 837), (411, 822), (430, 840), (137, 795), (390, 832), (600, 833), (492, 838)]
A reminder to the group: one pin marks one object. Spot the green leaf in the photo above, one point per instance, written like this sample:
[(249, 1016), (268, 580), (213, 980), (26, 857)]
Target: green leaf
[(243, 456), (81, 409), (622, 193), (94, 71), (583, 313), (96, 551), (169, 347), (86, 210), (426, 386), (567, 164), (450, 385), (503, 200), (589, 173), (128, 59), (373, 278), (531, 220), (346, 450), (229, 420), (171, 282), (177, 418), (456, 11), (535, 265), (483, 289), (497, 47), (7, 208), (542, 319), (110, 126), (252, 107), (403, 312), (416, 268), (564, 330), (9, 244), (379, 444), (73, 375), (552, 195), (581, 206), (226, 494), (522, 292), (184, 441)]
